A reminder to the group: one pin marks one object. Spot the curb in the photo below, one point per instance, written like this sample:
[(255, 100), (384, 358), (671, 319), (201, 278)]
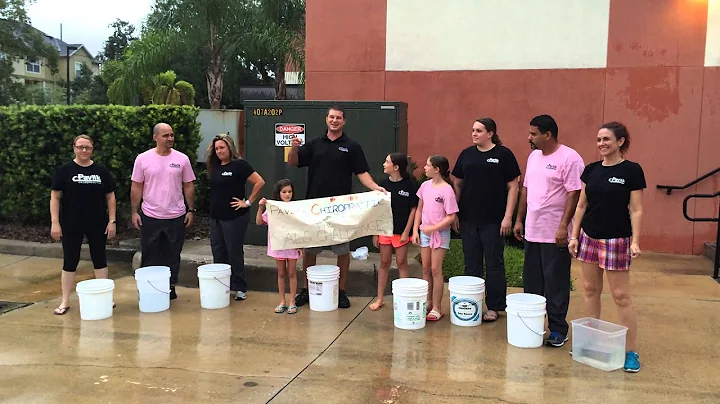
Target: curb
[(54, 250)]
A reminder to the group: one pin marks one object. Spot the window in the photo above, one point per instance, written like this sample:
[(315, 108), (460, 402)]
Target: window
[(78, 68), (32, 66)]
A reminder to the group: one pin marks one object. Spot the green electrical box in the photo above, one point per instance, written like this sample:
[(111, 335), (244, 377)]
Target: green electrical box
[(379, 127)]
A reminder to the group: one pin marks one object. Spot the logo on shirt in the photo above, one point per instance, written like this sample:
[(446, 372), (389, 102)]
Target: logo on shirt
[(227, 174), (493, 160), (343, 149), (550, 167), (615, 180), (403, 193), (174, 165), (87, 179), (439, 199)]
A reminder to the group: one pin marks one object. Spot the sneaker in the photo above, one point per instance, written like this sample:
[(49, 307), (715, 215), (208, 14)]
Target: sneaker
[(632, 362), (240, 295), (302, 298), (343, 302), (556, 339), (173, 295)]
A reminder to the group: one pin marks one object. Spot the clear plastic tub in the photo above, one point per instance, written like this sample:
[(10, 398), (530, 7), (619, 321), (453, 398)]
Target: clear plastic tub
[(598, 343)]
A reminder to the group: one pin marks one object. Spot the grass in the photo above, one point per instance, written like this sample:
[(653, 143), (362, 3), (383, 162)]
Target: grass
[(454, 264)]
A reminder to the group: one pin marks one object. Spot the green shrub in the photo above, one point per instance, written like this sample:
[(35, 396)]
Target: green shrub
[(37, 139), (454, 264)]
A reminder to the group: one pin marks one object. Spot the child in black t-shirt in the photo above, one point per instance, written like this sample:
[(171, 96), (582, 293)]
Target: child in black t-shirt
[(404, 201), (606, 229)]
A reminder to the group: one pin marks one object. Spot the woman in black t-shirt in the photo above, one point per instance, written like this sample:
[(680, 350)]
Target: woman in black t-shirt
[(606, 229), (82, 204), (404, 202), (229, 207), (487, 191)]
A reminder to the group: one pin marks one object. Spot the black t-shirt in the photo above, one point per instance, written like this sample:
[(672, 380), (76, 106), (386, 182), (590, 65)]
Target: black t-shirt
[(483, 194), (83, 204), (228, 182), (608, 194), (331, 165), (403, 197)]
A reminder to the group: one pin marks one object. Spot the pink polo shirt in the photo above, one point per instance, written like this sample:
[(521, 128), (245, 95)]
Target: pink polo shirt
[(162, 178)]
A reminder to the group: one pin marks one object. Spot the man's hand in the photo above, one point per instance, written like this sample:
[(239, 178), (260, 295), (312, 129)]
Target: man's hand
[(561, 237), (188, 219), (136, 221), (381, 189), (518, 230), (506, 226), (295, 141), (110, 230)]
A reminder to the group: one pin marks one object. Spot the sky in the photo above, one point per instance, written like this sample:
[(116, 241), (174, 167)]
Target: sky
[(86, 21)]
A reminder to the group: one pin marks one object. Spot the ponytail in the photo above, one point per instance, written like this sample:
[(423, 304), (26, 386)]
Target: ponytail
[(443, 165), (496, 139)]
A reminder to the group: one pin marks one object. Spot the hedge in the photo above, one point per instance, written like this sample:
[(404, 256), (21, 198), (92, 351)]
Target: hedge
[(37, 139)]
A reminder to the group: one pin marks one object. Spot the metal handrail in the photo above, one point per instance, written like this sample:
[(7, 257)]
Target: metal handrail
[(670, 188), (716, 270)]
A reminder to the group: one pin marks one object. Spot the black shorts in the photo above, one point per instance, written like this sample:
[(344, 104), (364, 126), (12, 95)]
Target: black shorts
[(72, 245)]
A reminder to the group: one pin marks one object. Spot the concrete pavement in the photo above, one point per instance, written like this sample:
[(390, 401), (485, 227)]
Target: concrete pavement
[(248, 354)]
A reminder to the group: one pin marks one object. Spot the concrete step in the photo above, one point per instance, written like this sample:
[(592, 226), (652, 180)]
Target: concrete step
[(261, 270), (710, 250)]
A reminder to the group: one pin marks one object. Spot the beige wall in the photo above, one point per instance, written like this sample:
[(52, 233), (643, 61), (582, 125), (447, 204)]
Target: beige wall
[(45, 75)]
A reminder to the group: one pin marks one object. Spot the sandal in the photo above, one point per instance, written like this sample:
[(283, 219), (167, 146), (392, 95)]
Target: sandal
[(434, 315), (490, 316), (280, 309), (292, 309), (375, 306), (61, 310)]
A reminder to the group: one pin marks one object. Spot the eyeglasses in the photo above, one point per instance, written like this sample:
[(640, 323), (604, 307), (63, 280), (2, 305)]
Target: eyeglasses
[(84, 148)]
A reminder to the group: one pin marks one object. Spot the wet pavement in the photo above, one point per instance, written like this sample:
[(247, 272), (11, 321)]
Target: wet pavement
[(248, 354)]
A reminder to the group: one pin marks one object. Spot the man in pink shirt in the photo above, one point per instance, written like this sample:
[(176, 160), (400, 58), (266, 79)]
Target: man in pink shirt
[(550, 193), (163, 179)]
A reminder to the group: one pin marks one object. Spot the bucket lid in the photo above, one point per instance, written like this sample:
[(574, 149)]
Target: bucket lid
[(152, 269), (472, 281), (318, 269), (214, 268), (410, 283), (525, 299), (95, 286)]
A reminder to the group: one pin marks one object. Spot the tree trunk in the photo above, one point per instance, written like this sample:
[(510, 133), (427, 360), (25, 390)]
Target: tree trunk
[(214, 73), (280, 87)]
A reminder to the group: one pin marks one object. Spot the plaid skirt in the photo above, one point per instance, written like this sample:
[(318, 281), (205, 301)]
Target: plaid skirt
[(610, 254)]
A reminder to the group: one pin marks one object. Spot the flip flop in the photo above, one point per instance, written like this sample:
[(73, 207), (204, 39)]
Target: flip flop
[(280, 309), (489, 318), (434, 315), (292, 310), (61, 310), (377, 307)]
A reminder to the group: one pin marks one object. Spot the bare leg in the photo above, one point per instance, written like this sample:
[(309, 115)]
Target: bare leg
[(68, 283), (593, 283), (101, 273), (281, 280), (385, 260), (438, 254), (401, 258), (292, 278), (619, 282), (425, 254), (343, 261), (308, 261)]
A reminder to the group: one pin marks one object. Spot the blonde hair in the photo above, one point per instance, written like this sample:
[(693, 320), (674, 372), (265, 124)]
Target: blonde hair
[(86, 137), (211, 158)]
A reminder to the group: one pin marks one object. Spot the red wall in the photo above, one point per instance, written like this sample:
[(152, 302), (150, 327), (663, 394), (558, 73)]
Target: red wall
[(655, 83)]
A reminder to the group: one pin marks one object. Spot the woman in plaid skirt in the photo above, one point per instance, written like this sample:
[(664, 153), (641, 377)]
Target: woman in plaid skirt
[(606, 229)]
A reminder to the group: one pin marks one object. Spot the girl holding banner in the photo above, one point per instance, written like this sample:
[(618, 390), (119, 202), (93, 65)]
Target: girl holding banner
[(436, 212)]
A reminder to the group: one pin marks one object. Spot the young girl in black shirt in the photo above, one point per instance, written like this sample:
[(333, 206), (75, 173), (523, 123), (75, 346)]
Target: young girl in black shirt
[(404, 201), (606, 230)]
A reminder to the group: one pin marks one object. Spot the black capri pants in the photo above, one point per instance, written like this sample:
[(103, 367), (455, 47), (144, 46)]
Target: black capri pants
[(72, 245)]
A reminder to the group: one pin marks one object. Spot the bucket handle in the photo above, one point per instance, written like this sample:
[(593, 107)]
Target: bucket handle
[(161, 291), (227, 286), (526, 326)]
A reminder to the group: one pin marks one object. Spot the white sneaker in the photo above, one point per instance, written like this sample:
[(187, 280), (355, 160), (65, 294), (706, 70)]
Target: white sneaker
[(240, 295)]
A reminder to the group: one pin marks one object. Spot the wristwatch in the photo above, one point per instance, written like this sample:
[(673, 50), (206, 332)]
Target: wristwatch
[(113, 221), (192, 210), (247, 202)]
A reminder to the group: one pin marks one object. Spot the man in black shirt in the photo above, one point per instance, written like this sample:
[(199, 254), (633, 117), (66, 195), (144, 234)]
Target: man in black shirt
[(331, 160)]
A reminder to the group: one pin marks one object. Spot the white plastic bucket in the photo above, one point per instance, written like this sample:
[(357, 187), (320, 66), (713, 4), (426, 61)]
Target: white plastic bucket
[(409, 303), (466, 300), (525, 320), (96, 298), (153, 284), (214, 280), (323, 287)]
